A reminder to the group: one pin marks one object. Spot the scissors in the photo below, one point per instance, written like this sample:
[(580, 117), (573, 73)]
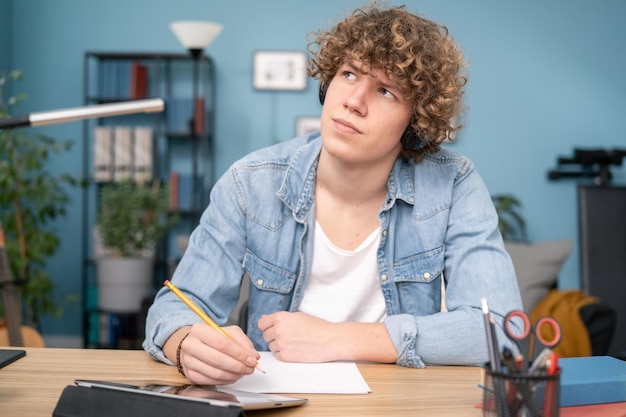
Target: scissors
[(533, 340)]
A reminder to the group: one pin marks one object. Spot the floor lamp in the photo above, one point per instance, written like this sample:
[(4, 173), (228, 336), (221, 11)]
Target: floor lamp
[(195, 36)]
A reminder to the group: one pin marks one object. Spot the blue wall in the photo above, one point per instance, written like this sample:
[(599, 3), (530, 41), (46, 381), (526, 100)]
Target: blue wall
[(545, 77), (5, 30)]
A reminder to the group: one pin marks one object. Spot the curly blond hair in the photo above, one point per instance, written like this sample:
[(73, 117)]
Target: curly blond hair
[(414, 52)]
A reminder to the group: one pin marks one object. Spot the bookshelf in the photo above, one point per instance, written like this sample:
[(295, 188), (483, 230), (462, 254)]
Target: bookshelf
[(173, 147)]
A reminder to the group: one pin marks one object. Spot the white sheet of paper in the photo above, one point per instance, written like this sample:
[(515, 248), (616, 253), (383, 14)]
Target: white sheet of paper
[(303, 378)]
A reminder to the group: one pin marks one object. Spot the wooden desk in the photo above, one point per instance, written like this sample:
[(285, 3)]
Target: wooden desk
[(32, 385)]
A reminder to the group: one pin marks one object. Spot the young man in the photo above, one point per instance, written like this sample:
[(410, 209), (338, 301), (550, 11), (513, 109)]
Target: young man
[(347, 235)]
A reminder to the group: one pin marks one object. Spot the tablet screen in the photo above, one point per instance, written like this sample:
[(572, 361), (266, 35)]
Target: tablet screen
[(211, 394)]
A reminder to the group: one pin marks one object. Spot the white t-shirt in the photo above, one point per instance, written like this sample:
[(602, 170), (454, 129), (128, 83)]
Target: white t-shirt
[(344, 285)]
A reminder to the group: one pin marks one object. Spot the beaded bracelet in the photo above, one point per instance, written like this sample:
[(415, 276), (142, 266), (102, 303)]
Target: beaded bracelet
[(178, 364), (180, 389)]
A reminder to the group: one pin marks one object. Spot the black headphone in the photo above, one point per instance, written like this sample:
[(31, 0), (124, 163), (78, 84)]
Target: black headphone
[(409, 139), (322, 91)]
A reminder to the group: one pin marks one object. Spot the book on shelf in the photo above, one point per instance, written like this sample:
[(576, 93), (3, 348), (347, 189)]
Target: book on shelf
[(198, 115), (178, 115), (122, 153), (174, 191), (106, 79), (122, 75), (103, 154), (185, 115), (138, 80), (142, 156), (186, 192), (182, 191), (120, 79)]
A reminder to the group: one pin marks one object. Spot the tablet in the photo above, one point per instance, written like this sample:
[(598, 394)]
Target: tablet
[(203, 393), (10, 355)]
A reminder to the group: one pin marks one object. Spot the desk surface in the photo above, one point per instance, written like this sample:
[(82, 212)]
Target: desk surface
[(32, 385)]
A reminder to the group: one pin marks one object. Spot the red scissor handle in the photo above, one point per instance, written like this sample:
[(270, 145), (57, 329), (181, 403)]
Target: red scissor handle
[(546, 322), (515, 333)]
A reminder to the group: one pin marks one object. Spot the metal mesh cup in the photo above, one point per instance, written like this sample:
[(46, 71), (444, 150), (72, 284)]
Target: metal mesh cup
[(519, 395)]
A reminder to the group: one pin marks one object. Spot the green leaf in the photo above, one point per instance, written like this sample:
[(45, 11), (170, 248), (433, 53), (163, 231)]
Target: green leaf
[(31, 198), (510, 221), (133, 217)]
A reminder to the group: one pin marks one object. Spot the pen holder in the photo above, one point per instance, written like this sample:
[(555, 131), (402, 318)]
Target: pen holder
[(520, 395)]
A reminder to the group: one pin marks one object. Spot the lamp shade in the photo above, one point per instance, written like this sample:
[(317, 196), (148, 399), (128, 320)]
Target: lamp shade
[(195, 35)]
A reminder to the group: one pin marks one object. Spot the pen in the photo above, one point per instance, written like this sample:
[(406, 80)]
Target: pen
[(492, 344), (509, 360), (208, 320), (552, 367), (541, 361), (494, 359), (553, 364)]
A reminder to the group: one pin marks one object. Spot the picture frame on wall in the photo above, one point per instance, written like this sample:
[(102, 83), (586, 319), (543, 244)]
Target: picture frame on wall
[(306, 125), (279, 70)]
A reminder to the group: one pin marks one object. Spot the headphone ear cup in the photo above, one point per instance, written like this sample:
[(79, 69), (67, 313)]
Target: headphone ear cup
[(410, 140), (322, 91)]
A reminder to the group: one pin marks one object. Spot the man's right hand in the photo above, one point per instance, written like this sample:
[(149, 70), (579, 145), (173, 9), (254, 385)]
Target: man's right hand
[(207, 357)]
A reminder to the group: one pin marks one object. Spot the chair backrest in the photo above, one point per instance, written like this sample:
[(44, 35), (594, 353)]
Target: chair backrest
[(12, 333)]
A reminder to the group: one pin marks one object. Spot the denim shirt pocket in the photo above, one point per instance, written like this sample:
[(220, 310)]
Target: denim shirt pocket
[(418, 282), (271, 284)]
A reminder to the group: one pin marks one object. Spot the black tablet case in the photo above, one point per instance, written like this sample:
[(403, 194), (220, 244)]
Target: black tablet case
[(10, 355), (78, 401)]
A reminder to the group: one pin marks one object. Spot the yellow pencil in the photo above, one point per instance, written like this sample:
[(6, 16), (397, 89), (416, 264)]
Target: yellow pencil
[(208, 320)]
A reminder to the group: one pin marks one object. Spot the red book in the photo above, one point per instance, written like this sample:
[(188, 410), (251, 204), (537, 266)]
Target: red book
[(604, 410), (138, 80), (198, 116), (174, 180)]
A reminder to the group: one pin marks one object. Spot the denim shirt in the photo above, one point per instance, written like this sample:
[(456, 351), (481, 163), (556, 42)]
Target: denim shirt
[(438, 221)]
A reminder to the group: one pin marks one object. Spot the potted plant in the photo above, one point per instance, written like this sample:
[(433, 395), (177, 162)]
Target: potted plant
[(31, 199), (132, 218), (510, 221)]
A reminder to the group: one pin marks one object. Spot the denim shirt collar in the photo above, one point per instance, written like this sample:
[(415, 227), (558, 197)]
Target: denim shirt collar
[(400, 183), (298, 186)]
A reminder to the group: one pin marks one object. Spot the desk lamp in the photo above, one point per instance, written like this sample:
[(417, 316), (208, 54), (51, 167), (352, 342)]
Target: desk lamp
[(152, 105)]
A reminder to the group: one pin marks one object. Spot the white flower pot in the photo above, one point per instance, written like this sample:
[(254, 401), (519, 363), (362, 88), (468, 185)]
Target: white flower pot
[(123, 283)]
